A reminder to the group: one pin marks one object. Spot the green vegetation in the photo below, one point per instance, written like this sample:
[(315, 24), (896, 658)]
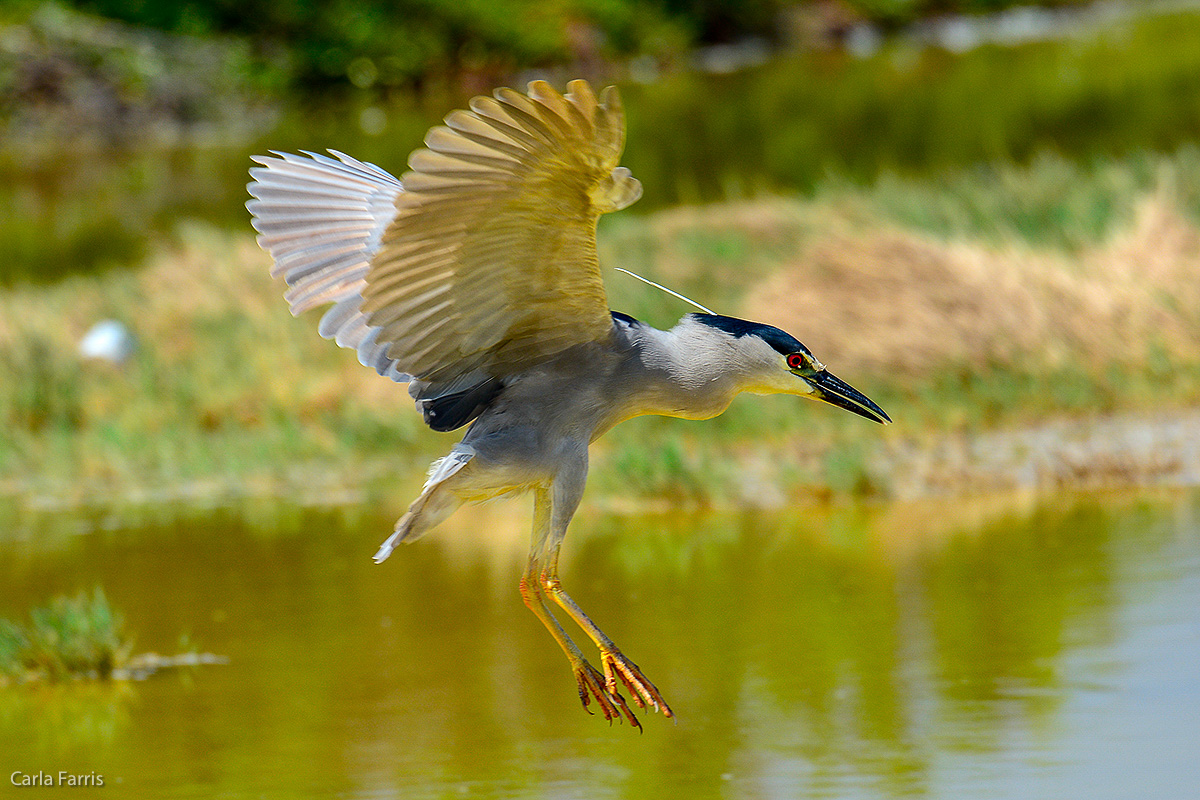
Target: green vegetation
[(802, 120), (82, 638), (418, 43), (86, 186), (407, 43), (72, 637)]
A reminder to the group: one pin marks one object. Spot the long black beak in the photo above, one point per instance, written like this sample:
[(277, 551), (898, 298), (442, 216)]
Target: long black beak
[(833, 390)]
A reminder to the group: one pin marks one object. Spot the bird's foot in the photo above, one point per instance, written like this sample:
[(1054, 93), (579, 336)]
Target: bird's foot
[(644, 693), (593, 684)]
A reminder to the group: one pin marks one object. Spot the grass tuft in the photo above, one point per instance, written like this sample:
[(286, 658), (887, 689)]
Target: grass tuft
[(71, 637)]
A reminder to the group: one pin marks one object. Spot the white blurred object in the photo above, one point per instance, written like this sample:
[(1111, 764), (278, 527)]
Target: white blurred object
[(864, 40), (108, 340)]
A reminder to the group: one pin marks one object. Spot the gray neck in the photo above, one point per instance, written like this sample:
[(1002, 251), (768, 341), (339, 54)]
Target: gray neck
[(687, 372)]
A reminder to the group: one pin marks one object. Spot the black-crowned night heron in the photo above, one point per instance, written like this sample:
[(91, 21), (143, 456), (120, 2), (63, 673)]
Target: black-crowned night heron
[(475, 279)]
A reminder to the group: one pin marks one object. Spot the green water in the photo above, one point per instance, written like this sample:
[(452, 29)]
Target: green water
[(993, 651)]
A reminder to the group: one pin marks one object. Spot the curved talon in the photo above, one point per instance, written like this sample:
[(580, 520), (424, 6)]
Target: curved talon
[(612, 704), (644, 692)]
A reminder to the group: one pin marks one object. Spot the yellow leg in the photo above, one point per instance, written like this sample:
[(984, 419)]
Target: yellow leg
[(615, 663), (591, 682)]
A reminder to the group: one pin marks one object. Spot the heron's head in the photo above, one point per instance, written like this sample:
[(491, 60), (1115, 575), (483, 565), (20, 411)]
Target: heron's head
[(771, 361)]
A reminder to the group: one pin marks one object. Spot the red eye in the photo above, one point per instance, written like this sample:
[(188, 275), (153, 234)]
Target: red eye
[(796, 360)]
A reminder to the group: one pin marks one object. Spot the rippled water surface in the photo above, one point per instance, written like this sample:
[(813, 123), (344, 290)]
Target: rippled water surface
[(997, 650)]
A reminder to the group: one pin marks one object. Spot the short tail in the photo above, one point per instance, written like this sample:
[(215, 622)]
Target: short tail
[(435, 503)]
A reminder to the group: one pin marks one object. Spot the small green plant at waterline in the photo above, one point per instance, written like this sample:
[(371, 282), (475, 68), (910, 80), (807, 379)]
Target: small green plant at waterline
[(80, 637), (71, 637)]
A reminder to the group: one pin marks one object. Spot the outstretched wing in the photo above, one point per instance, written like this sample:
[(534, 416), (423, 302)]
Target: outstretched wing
[(480, 262), (322, 221), (490, 265)]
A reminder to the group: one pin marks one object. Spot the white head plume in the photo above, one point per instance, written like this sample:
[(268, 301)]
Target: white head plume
[(671, 292)]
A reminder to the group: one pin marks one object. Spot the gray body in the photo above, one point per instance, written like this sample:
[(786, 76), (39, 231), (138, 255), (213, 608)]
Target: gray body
[(536, 432)]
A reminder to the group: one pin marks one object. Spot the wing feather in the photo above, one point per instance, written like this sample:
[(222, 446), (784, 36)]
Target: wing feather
[(480, 261), (503, 202), (322, 220)]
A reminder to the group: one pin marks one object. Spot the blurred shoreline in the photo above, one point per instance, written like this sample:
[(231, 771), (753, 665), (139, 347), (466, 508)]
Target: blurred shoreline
[(1062, 456), (1158, 450), (1009, 366)]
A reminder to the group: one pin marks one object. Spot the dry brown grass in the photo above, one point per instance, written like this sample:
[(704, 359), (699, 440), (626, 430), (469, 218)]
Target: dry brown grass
[(227, 384), (891, 299)]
